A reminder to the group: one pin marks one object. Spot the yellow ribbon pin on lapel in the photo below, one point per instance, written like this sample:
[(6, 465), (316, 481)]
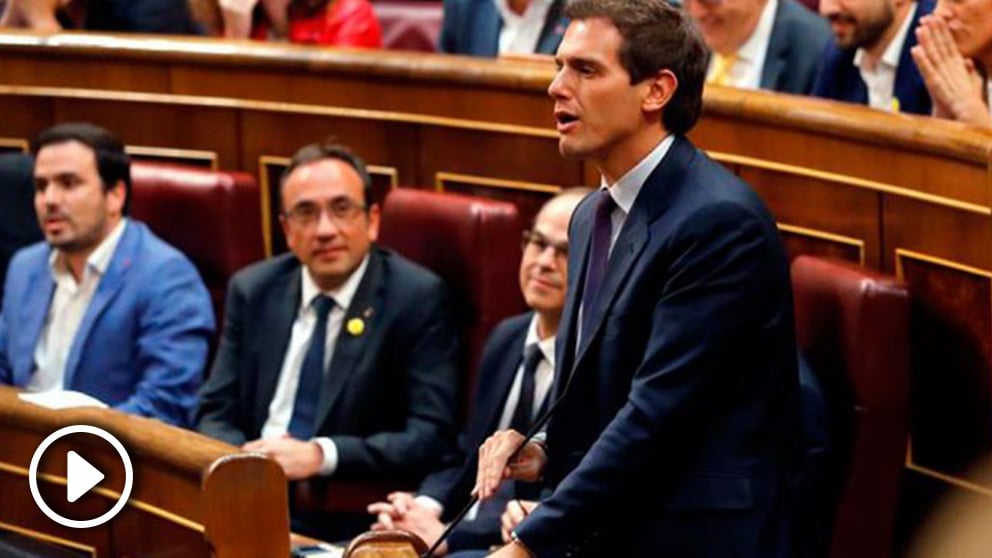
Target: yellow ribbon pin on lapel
[(356, 326)]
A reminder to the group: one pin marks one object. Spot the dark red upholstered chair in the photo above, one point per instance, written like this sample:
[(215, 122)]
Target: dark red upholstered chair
[(853, 327), (473, 244), (408, 24), (213, 217)]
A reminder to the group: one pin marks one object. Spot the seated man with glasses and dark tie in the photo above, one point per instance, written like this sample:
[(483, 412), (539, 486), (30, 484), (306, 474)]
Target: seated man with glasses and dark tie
[(515, 378), (373, 397)]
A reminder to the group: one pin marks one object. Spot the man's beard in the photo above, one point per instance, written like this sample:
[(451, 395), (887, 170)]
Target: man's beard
[(867, 33)]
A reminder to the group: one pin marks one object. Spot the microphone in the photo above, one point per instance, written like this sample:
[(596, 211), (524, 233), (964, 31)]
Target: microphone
[(531, 432)]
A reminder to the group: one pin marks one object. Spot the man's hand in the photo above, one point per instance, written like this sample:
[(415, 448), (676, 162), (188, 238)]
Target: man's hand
[(951, 79), (512, 550), (298, 459), (494, 465), (402, 511), (516, 511)]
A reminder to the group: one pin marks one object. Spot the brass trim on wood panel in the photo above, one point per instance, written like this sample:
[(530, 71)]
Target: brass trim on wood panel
[(112, 495), (272, 106), (828, 236), (848, 180), (175, 153), (900, 255), (441, 177), (382, 170), (48, 538), (264, 192), (18, 143), (927, 472)]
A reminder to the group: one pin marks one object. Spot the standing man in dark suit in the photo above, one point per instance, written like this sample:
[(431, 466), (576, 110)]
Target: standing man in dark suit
[(373, 396), (496, 27), (18, 224), (761, 44), (519, 357), (871, 62), (676, 362)]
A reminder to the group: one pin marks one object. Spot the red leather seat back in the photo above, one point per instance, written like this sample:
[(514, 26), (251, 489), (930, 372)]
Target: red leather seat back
[(409, 24), (473, 244), (853, 326), (213, 217)]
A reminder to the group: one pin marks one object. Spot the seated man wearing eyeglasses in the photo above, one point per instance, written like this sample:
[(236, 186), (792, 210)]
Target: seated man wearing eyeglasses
[(372, 397), (515, 378)]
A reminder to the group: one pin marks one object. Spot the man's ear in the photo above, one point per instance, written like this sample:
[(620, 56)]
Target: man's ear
[(661, 88)]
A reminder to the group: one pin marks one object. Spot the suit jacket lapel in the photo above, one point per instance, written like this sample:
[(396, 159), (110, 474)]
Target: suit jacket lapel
[(565, 345), (39, 296), (278, 315), (349, 347), (501, 389), (489, 25), (778, 47), (110, 284), (554, 28)]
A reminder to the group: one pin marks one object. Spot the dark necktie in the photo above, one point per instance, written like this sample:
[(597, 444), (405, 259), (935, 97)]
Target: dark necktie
[(599, 252), (524, 412), (302, 424)]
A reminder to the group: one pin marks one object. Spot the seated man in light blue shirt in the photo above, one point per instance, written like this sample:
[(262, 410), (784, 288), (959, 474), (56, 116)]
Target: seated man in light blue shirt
[(103, 306)]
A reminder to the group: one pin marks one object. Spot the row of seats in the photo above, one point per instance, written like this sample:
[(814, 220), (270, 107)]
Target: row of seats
[(851, 323)]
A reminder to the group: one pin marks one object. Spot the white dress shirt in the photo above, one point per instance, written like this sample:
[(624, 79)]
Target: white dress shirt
[(281, 407), (65, 314), (521, 33), (746, 71), (543, 377), (880, 78)]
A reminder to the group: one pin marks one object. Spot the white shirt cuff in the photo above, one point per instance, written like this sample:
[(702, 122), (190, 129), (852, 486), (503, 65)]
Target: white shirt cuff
[(330, 450), (430, 504)]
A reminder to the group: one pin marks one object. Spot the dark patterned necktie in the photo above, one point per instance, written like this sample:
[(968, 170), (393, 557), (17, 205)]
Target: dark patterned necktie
[(302, 425), (524, 412), (599, 252)]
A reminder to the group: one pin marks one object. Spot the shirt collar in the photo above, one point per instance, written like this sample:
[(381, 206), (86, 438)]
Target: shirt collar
[(626, 189), (99, 259), (547, 346), (510, 17), (890, 58), (752, 48), (342, 295)]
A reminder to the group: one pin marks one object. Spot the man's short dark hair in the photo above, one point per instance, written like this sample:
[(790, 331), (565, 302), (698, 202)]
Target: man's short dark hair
[(112, 162), (329, 150), (656, 36)]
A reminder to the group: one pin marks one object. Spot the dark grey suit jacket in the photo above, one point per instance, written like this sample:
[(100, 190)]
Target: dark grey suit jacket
[(389, 393), (795, 49)]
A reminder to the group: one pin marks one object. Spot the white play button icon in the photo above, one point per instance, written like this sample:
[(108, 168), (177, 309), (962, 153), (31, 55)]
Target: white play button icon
[(82, 476)]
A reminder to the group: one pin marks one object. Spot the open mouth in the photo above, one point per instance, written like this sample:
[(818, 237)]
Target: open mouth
[(565, 120)]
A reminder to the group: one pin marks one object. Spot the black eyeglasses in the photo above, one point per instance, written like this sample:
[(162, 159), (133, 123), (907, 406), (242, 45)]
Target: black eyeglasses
[(542, 243), (341, 210)]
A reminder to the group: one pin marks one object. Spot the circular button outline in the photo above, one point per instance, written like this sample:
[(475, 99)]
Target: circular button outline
[(75, 523)]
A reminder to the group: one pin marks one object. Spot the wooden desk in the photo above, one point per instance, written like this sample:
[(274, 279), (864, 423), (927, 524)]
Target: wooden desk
[(908, 195), (191, 497)]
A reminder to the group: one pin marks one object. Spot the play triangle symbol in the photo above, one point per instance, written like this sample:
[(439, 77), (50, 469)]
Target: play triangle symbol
[(82, 476)]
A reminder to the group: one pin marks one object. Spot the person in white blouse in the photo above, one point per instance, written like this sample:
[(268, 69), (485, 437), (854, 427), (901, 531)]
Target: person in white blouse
[(954, 55), (339, 358), (519, 347), (761, 44)]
